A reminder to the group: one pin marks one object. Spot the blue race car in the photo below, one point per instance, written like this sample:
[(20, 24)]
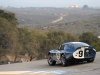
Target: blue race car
[(71, 52)]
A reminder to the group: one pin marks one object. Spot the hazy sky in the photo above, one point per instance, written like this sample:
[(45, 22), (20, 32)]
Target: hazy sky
[(48, 3)]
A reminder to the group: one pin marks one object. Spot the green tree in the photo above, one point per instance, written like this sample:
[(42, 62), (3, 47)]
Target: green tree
[(85, 7), (96, 46), (9, 16), (39, 37), (8, 37), (8, 34), (89, 38), (29, 43)]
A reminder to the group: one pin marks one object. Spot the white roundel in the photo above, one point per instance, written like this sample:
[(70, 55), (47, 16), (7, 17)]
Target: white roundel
[(79, 54), (58, 55)]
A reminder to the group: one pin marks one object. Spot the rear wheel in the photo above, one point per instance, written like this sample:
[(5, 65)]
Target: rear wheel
[(64, 62), (51, 62)]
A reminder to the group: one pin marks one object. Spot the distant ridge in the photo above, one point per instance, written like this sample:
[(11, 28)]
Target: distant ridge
[(77, 27)]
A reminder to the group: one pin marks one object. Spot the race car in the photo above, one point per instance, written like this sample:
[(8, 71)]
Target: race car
[(71, 52)]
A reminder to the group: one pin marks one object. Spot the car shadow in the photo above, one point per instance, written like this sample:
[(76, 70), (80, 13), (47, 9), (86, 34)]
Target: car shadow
[(72, 64)]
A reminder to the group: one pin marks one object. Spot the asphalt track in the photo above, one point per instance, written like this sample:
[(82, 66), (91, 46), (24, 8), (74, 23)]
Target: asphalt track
[(42, 67)]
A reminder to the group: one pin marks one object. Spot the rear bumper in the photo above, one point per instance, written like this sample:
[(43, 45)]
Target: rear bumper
[(70, 58), (85, 59)]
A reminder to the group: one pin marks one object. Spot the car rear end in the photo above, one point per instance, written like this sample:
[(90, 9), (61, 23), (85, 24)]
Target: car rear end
[(85, 53)]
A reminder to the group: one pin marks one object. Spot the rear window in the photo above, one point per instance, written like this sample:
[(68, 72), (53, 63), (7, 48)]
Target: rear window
[(79, 45)]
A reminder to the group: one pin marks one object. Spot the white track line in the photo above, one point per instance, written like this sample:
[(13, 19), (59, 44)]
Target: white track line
[(56, 72)]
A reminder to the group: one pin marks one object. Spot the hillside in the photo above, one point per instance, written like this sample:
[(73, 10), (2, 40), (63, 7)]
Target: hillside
[(32, 16), (75, 21), (77, 27)]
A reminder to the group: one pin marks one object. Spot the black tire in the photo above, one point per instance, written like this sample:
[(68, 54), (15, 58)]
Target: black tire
[(90, 60), (64, 62), (50, 61)]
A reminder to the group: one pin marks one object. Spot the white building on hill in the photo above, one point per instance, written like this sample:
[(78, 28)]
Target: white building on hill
[(73, 6)]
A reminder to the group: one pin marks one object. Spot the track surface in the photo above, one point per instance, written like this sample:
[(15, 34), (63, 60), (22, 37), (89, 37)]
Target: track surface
[(42, 67)]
